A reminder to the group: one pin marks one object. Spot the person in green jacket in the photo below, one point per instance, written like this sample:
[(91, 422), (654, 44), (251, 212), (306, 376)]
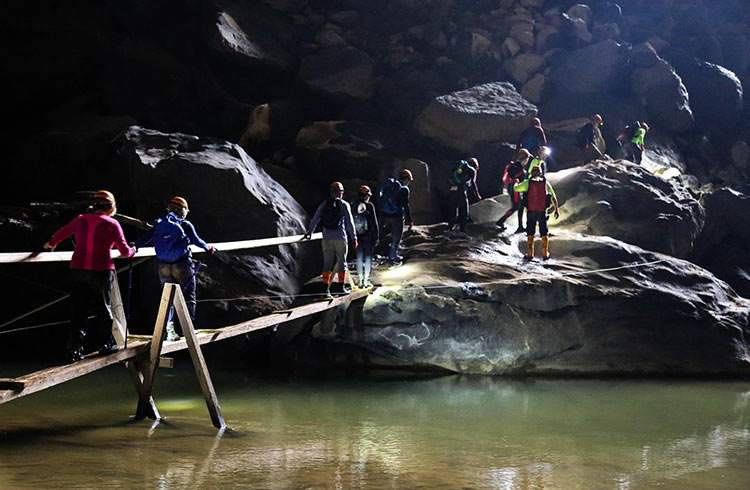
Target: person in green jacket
[(635, 147), (540, 196)]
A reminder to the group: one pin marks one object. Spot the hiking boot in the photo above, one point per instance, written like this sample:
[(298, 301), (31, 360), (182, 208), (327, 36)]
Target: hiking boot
[(328, 294), (74, 355), (171, 333), (109, 349), (500, 224), (520, 229)]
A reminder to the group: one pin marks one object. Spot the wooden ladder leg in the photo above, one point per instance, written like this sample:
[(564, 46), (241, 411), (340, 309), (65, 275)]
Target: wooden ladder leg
[(119, 321), (147, 408), (199, 363), (145, 401)]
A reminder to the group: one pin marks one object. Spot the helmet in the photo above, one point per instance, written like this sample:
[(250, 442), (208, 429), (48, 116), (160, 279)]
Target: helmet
[(536, 122), (523, 154), (644, 126), (406, 174), (596, 118), (365, 191), (337, 186), (178, 202), (103, 196), (536, 170), (473, 162)]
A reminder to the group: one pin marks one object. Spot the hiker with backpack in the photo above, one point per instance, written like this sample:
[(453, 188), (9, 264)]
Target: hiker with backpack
[(533, 136), (590, 140), (513, 174), (540, 197), (335, 218), (395, 210), (461, 179), (633, 135), (172, 236), (366, 227), (91, 274)]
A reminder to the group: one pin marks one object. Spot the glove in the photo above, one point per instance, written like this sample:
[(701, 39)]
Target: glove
[(211, 249), (356, 243), (306, 236), (557, 214), (411, 225)]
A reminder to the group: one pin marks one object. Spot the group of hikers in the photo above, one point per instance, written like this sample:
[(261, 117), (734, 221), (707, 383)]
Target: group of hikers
[(96, 231)]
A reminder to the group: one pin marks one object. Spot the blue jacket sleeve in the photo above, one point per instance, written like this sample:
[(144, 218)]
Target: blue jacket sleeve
[(315, 219), (194, 238)]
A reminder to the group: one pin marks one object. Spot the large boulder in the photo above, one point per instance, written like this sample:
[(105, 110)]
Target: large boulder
[(598, 68), (490, 112), (231, 198), (722, 247), (715, 92), (340, 72), (624, 201), (599, 307), (665, 96)]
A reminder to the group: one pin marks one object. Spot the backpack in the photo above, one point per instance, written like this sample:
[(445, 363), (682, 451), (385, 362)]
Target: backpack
[(462, 175), (584, 135), (630, 130), (330, 216), (361, 214), (389, 197), (536, 195), (170, 240)]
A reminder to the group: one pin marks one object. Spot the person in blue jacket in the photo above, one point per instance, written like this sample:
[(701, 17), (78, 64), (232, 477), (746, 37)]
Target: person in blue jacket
[(172, 236)]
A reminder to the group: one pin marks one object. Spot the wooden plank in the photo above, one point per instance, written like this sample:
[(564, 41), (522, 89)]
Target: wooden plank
[(119, 322), (157, 340), (139, 345), (166, 362), (26, 257), (135, 369), (199, 363)]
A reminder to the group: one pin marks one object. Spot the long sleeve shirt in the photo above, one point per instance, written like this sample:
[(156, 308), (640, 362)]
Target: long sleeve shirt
[(638, 138), (345, 228), (170, 246), (95, 235)]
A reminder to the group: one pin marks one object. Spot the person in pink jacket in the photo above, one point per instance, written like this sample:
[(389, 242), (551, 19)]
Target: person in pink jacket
[(91, 274)]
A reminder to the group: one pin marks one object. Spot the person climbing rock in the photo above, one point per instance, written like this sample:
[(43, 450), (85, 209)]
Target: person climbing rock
[(634, 144), (366, 227), (172, 236), (91, 274), (513, 174), (460, 180), (590, 139), (335, 217), (395, 210), (540, 196), (533, 136)]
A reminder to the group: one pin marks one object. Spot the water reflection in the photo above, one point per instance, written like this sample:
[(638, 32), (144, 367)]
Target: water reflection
[(371, 432)]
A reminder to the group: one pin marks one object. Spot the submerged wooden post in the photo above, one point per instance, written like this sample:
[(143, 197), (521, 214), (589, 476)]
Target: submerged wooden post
[(145, 402), (199, 363)]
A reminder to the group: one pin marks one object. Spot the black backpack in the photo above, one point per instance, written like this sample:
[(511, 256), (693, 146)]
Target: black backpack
[(360, 214), (330, 216), (630, 130)]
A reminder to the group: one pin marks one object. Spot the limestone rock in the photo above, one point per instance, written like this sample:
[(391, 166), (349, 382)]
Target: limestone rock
[(644, 55), (253, 45), (489, 112), (594, 69), (715, 93), (249, 205), (666, 96), (575, 32), (533, 89), (340, 72), (582, 12), (599, 199), (524, 66), (510, 47)]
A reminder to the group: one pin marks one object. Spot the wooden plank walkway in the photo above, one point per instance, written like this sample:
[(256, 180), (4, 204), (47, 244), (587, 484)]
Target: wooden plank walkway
[(139, 346)]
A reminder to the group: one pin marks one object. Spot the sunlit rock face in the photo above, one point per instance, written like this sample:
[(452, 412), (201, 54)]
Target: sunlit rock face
[(230, 198), (622, 200), (489, 112), (598, 306)]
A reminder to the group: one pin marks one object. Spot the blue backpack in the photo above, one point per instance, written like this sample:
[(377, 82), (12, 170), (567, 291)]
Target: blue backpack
[(389, 197), (170, 240)]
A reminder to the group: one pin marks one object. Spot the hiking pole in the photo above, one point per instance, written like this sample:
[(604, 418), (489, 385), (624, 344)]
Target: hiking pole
[(127, 300)]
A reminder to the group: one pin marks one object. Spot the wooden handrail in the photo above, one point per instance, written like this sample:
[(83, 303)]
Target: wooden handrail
[(26, 257)]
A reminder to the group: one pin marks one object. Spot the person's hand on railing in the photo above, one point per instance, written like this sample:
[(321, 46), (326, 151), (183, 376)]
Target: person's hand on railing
[(48, 246), (211, 249), (134, 247), (306, 236)]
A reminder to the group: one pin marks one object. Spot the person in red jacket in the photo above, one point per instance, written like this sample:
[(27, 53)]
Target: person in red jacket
[(540, 198), (92, 273), (513, 174)]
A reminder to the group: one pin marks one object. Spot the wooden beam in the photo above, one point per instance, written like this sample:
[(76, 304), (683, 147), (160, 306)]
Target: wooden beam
[(26, 257), (12, 384), (199, 363), (166, 363), (136, 369)]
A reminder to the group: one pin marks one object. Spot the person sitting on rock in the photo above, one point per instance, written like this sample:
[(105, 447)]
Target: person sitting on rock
[(461, 179), (366, 227), (634, 145), (513, 174), (590, 139), (92, 273), (335, 217), (533, 136), (172, 236), (394, 208), (540, 196)]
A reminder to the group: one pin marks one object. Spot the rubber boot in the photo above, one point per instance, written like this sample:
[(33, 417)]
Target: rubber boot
[(545, 247), (341, 279), (530, 241), (171, 333)]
